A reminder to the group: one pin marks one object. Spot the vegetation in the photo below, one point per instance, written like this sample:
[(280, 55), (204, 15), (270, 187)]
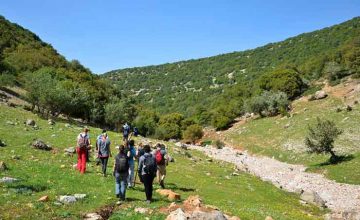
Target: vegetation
[(321, 138), (193, 133)]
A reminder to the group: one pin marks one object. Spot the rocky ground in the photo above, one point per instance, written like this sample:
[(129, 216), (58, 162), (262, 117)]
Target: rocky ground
[(342, 199)]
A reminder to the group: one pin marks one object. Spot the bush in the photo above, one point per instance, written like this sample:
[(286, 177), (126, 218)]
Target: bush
[(219, 144), (269, 103), (146, 122), (193, 133), (321, 137), (168, 131)]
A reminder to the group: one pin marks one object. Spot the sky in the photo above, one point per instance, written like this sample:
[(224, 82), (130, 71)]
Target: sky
[(110, 34)]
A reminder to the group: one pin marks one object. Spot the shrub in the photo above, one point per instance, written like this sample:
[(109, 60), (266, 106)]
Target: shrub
[(193, 133), (168, 131), (219, 144), (269, 103), (321, 137)]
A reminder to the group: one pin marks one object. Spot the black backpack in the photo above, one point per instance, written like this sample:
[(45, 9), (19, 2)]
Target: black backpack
[(121, 163), (150, 165)]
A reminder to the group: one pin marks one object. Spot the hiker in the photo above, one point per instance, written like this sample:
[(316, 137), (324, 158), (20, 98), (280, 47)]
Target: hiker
[(82, 146), (131, 154), (120, 172), (139, 152), (103, 150), (162, 161), (126, 131), (136, 131), (147, 172)]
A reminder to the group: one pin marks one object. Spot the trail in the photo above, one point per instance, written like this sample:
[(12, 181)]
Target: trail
[(342, 199)]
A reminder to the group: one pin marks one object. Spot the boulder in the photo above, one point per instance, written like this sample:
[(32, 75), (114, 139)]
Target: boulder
[(313, 198), (43, 199), (30, 122), (212, 215), (70, 150), (3, 166), (178, 214), (39, 144), (67, 199), (320, 95)]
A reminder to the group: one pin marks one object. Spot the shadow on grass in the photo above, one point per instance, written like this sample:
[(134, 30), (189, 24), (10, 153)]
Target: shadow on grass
[(336, 160), (24, 188), (173, 186)]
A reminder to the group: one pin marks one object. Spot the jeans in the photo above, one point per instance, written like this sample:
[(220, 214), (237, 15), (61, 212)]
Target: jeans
[(120, 184), (104, 161), (148, 185), (131, 176)]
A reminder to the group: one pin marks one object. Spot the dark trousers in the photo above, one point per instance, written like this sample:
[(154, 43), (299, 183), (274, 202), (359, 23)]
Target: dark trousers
[(148, 185), (104, 161)]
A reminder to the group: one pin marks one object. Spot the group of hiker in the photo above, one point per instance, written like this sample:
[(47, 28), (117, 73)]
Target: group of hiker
[(149, 163)]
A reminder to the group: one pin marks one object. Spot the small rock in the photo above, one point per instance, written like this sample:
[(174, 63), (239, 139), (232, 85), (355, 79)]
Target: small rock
[(67, 125), (215, 214), (235, 174), (3, 166), (10, 123), (349, 108), (67, 199), (92, 216), (62, 166), (2, 143), (320, 95), (141, 210), (8, 180), (227, 177), (15, 157), (268, 218), (209, 160), (287, 125), (193, 201), (178, 214), (43, 199), (208, 174), (53, 135), (70, 150), (58, 203), (313, 198), (30, 122), (51, 122), (79, 196), (39, 144)]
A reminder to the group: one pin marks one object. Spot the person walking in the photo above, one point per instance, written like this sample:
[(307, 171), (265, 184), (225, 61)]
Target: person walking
[(120, 172), (162, 161), (131, 154), (82, 146), (126, 131), (104, 151), (147, 172)]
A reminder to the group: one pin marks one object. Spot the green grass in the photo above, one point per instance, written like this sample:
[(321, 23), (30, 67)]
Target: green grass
[(268, 136), (41, 174)]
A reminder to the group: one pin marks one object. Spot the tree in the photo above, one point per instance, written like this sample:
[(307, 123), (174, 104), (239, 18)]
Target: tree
[(321, 138), (193, 133), (119, 111)]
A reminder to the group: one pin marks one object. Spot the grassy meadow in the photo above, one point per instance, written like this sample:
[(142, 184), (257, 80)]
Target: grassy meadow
[(51, 173)]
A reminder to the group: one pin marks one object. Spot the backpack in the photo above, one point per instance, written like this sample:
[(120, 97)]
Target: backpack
[(83, 141), (126, 130), (121, 163), (150, 165), (160, 158)]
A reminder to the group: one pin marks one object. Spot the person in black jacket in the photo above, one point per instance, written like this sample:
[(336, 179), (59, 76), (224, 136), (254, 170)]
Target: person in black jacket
[(120, 172), (147, 172)]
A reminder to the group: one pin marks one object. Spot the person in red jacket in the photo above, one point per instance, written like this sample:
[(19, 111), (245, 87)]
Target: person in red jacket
[(83, 144)]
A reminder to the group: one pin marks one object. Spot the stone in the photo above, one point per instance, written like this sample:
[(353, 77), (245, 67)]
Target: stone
[(235, 174), (15, 157), (67, 125), (62, 166), (2, 143), (171, 159), (92, 216), (209, 160), (30, 122), (8, 180), (79, 196), (39, 144), (349, 108), (193, 201), (141, 210), (174, 196), (51, 122), (169, 194), (178, 214), (43, 199), (70, 150), (269, 218), (213, 215), (313, 198), (287, 125), (3, 166), (67, 199), (233, 218), (10, 123), (320, 95)]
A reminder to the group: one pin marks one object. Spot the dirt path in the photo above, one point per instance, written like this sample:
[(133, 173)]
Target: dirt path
[(342, 199)]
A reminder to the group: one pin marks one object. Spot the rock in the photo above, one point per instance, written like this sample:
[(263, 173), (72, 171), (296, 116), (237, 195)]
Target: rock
[(212, 215), (8, 180), (287, 125), (141, 210), (269, 218), (67, 125), (53, 135), (10, 123), (67, 199), (174, 196), (227, 177), (92, 216), (233, 218), (3, 166), (169, 194), (79, 196), (235, 174), (209, 160), (15, 157), (62, 166), (58, 203), (51, 122), (70, 150), (193, 201), (43, 199), (320, 95), (2, 143), (178, 214), (171, 159), (30, 122), (39, 144), (313, 198), (349, 108)]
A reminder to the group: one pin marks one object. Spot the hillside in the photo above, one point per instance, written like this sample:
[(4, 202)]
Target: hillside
[(194, 86)]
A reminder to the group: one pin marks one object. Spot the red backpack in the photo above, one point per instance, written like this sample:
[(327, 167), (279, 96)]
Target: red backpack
[(160, 159)]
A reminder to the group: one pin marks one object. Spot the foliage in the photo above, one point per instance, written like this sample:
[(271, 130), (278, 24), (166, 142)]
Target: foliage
[(146, 122), (219, 144), (119, 111), (168, 131), (321, 137), (193, 133), (269, 103)]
